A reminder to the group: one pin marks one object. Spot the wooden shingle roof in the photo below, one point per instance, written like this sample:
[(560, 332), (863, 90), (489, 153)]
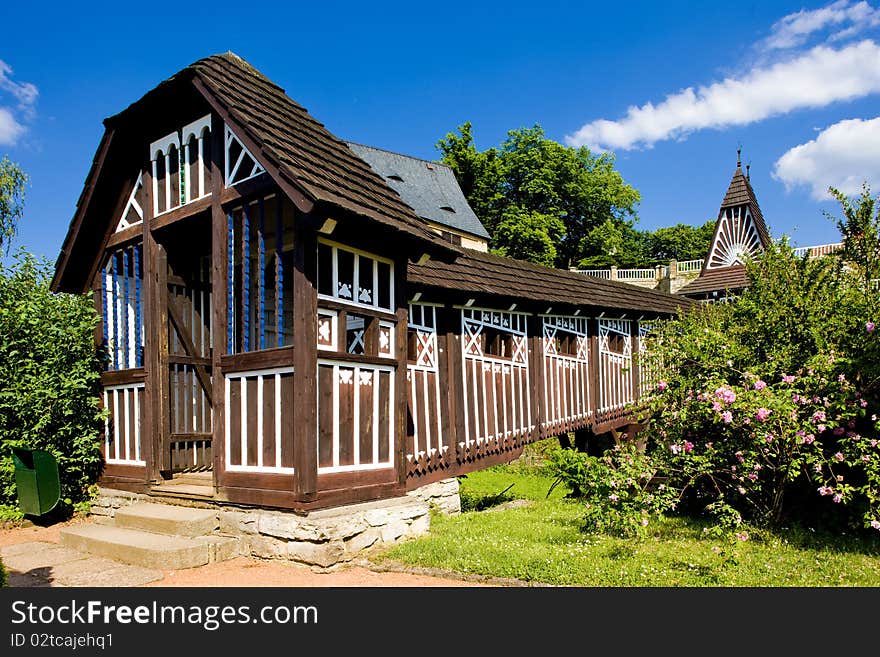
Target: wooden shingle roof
[(740, 192), (303, 150), (486, 273), (719, 279)]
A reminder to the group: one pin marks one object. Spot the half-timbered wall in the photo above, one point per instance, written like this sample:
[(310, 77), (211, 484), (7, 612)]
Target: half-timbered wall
[(258, 376), (122, 430), (260, 281), (650, 368), (259, 420), (497, 401), (356, 408), (190, 343), (566, 346), (355, 416), (122, 308), (180, 171), (425, 428), (615, 366)]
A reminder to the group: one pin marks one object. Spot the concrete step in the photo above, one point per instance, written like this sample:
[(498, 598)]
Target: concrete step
[(148, 549), (167, 519)]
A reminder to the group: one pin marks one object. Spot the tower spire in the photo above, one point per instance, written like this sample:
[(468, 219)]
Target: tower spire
[(738, 157)]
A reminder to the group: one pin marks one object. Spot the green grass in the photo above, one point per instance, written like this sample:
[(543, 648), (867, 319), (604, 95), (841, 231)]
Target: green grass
[(544, 543)]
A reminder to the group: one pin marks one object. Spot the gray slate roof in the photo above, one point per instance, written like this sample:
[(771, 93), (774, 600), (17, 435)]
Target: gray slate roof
[(427, 187)]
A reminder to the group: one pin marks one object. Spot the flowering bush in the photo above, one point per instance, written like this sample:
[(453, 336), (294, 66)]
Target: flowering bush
[(620, 489), (770, 413)]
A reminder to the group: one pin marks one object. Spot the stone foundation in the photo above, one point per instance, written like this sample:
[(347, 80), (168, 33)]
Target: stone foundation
[(323, 538)]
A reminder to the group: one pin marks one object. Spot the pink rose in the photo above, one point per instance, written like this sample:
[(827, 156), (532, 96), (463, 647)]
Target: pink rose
[(762, 414), (760, 385)]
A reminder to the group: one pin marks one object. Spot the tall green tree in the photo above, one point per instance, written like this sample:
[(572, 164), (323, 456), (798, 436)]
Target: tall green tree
[(860, 230), (50, 370), (680, 242), (12, 184), (537, 198)]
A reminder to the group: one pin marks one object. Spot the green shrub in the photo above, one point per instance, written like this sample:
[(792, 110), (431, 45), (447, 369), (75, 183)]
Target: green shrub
[(49, 379), (620, 489), (769, 411), (2, 574)]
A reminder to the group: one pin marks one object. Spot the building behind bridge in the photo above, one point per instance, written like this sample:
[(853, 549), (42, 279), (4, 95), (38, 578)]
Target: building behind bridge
[(740, 233)]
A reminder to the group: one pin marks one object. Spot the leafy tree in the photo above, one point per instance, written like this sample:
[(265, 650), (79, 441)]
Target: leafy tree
[(50, 370), (615, 243), (860, 230), (680, 242), (529, 235), (559, 193), (12, 184)]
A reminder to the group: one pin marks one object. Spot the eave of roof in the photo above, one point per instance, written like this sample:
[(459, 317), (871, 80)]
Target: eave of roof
[(721, 279), (486, 273)]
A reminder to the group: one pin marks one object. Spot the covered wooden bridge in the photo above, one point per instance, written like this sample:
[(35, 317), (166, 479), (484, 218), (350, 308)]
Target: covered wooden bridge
[(277, 317)]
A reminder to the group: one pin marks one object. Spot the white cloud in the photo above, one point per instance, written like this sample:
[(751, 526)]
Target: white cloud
[(10, 129), (843, 18), (843, 156), (26, 94), (816, 78)]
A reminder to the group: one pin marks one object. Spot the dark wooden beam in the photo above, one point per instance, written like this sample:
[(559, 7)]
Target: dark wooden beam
[(182, 212), (152, 411), (305, 360), (159, 321), (448, 349), (535, 354), (400, 386), (219, 291), (174, 313), (130, 234)]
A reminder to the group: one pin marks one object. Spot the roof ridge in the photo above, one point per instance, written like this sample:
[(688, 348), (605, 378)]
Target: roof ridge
[(411, 157)]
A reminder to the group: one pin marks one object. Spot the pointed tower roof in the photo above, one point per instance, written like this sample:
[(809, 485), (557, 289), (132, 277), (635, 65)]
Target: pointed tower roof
[(739, 193), (740, 231)]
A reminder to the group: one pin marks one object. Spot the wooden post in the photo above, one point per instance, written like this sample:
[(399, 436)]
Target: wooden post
[(305, 360), (593, 329), (447, 348), (536, 366), (458, 405), (400, 386), (219, 319), (636, 365), (160, 381), (152, 410)]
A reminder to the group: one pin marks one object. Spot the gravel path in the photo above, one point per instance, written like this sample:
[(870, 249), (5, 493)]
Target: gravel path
[(26, 545)]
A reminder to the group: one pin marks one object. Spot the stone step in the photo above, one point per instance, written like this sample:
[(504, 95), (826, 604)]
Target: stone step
[(167, 519), (148, 549)]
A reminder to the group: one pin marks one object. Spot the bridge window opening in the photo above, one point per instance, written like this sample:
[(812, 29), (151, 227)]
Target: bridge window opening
[(497, 343), (354, 277), (356, 328), (122, 308), (260, 301)]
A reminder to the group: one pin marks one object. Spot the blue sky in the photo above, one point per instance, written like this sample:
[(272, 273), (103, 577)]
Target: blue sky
[(671, 88)]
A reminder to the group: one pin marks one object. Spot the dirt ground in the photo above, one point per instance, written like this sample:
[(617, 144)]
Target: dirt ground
[(247, 571)]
